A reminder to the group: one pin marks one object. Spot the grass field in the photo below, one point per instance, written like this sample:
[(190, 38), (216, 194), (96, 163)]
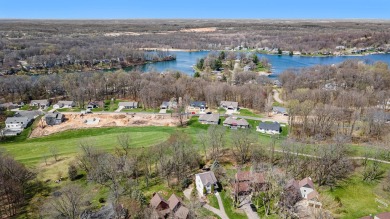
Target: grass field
[(31, 151), (247, 112), (357, 198)]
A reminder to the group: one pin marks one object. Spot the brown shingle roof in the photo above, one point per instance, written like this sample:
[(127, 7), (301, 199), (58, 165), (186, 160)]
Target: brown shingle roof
[(182, 212), (242, 187), (173, 201), (384, 215), (157, 200), (312, 195), (306, 182), (243, 176)]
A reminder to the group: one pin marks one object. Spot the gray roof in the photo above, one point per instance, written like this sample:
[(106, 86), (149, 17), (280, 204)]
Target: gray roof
[(229, 103), (209, 117), (18, 120), (234, 121), (30, 114), (279, 109), (132, 104), (65, 102), (207, 178), (9, 104), (275, 126), (44, 102), (198, 104), (54, 115)]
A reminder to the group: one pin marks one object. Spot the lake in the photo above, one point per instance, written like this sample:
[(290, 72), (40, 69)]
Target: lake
[(185, 60)]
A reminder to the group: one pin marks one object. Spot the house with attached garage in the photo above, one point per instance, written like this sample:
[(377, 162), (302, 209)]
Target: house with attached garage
[(54, 118), (64, 104), (235, 123), (229, 106), (197, 106), (305, 189), (17, 123), (206, 183), (209, 119), (168, 105), (41, 104), (128, 105), (269, 128), (280, 110)]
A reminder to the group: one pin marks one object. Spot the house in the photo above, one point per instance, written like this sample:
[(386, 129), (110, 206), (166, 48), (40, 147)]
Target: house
[(209, 119), (54, 118), (234, 123), (247, 68), (200, 106), (231, 107), (168, 105), (42, 104), (160, 206), (128, 105), (269, 128), (247, 181), (280, 110), (31, 115), (384, 215), (64, 104), (173, 208), (17, 123), (9, 105), (306, 189), (92, 105), (204, 182)]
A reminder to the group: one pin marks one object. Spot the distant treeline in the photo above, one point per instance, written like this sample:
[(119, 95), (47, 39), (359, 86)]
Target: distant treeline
[(51, 44)]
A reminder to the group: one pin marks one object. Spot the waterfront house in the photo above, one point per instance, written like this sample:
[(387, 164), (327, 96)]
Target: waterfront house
[(205, 183), (41, 104), (235, 123), (269, 128), (128, 105), (209, 119)]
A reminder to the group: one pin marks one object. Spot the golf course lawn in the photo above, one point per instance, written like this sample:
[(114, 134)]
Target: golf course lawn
[(31, 151)]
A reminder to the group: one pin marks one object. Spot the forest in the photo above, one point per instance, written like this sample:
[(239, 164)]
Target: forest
[(36, 47)]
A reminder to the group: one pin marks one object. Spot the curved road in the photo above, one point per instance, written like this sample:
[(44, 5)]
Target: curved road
[(276, 97)]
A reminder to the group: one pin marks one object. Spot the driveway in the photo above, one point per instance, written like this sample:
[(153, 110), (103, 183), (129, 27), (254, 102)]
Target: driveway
[(220, 212), (119, 109), (246, 206)]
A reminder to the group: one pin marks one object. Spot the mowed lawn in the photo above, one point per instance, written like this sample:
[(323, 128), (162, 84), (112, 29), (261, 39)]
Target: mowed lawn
[(32, 151), (358, 198)]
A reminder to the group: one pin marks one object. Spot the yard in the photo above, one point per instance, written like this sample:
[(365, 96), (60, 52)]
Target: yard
[(357, 198)]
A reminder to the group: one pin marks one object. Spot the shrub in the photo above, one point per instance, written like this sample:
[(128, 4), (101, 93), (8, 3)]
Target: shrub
[(72, 172)]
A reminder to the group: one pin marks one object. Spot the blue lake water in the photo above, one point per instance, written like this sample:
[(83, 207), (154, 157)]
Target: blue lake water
[(185, 60)]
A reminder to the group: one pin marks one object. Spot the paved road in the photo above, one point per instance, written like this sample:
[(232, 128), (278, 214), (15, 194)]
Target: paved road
[(276, 97), (351, 158)]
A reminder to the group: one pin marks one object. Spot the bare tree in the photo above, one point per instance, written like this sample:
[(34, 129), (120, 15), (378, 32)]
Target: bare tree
[(124, 141), (68, 202), (243, 140), (217, 139), (54, 152)]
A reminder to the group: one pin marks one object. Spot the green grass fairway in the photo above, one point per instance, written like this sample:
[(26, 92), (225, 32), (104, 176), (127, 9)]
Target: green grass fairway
[(247, 112), (357, 198), (31, 151)]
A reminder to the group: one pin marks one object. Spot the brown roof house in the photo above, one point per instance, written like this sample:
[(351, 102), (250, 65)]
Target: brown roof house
[(306, 189), (205, 183), (173, 208), (235, 123), (247, 181)]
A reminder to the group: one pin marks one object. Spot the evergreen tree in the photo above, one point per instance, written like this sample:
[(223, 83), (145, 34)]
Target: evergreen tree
[(196, 75)]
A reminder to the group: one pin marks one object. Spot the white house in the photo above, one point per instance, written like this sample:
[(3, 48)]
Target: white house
[(128, 105), (64, 104), (42, 104), (229, 106), (205, 180), (269, 128), (16, 123)]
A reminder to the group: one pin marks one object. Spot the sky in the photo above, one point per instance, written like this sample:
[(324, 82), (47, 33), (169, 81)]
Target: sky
[(237, 9)]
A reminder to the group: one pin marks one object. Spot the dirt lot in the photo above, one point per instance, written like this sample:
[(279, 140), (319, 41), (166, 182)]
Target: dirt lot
[(76, 121)]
